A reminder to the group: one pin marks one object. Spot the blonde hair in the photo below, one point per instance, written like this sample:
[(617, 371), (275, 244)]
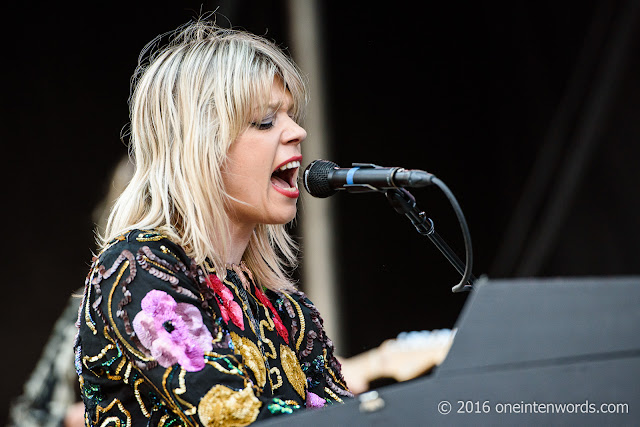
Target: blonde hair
[(190, 101)]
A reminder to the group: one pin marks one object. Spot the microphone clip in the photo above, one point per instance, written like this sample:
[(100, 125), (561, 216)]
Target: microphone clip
[(404, 203)]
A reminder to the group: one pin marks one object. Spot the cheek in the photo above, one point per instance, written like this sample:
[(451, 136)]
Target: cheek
[(247, 182), (248, 169)]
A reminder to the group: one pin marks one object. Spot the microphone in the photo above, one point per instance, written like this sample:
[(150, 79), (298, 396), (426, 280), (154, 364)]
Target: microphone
[(323, 178)]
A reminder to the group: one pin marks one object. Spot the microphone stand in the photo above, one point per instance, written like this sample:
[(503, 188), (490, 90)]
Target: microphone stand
[(405, 204)]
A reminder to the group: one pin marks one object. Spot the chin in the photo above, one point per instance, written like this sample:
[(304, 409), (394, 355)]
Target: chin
[(284, 218)]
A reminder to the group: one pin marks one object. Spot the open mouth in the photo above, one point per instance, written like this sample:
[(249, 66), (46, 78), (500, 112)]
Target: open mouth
[(284, 178)]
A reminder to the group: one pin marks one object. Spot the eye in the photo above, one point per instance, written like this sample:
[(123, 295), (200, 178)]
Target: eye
[(264, 124)]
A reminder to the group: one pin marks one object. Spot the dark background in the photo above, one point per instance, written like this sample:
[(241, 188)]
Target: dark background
[(528, 111)]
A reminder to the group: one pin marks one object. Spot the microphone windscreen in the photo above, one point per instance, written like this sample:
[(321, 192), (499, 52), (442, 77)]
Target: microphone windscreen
[(316, 178)]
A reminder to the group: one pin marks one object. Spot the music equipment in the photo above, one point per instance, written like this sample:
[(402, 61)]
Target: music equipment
[(527, 352), (322, 178)]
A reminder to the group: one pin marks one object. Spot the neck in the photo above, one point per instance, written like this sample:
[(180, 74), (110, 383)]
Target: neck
[(239, 240)]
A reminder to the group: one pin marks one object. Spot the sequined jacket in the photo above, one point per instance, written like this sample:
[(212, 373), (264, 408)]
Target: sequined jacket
[(165, 342)]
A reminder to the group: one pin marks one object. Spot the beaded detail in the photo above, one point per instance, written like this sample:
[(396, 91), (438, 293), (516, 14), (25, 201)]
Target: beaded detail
[(223, 406), (182, 347)]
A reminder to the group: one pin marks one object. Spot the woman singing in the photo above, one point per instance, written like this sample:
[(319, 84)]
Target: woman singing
[(189, 316)]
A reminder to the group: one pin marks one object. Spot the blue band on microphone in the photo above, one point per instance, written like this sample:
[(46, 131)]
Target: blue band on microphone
[(350, 175)]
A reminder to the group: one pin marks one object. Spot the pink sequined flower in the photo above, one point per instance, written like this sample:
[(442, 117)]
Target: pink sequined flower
[(172, 331)]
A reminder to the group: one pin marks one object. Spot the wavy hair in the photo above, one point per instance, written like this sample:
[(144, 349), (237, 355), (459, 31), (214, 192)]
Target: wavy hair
[(190, 100)]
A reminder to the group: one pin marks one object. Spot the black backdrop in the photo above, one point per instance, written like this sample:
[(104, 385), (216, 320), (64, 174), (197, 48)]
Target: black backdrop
[(530, 105)]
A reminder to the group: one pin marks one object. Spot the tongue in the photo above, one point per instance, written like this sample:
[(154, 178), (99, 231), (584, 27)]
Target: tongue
[(279, 182)]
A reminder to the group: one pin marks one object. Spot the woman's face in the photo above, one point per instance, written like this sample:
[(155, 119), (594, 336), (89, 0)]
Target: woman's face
[(261, 172)]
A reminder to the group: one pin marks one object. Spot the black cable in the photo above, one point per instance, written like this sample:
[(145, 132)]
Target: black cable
[(465, 234)]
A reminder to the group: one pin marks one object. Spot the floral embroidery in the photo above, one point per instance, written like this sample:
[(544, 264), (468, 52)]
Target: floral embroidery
[(165, 333), (251, 357), (314, 401), (282, 331), (222, 406), (314, 371), (172, 331), (93, 396), (291, 367), (229, 308), (77, 355), (279, 406)]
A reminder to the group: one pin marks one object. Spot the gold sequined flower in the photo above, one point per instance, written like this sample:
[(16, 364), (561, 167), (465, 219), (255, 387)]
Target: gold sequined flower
[(251, 357), (292, 368), (222, 406)]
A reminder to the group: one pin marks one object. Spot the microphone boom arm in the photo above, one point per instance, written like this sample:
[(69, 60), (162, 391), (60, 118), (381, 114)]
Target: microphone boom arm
[(323, 178), (405, 204)]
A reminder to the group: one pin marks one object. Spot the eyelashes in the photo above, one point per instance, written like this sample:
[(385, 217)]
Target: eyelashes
[(269, 122), (263, 125)]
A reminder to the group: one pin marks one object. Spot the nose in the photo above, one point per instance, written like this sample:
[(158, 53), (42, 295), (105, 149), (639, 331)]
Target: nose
[(294, 133)]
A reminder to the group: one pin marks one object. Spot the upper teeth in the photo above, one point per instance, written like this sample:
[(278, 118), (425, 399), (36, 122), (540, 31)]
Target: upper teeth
[(290, 165)]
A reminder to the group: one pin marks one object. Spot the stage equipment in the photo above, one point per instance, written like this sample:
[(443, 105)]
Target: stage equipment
[(322, 178), (530, 352)]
